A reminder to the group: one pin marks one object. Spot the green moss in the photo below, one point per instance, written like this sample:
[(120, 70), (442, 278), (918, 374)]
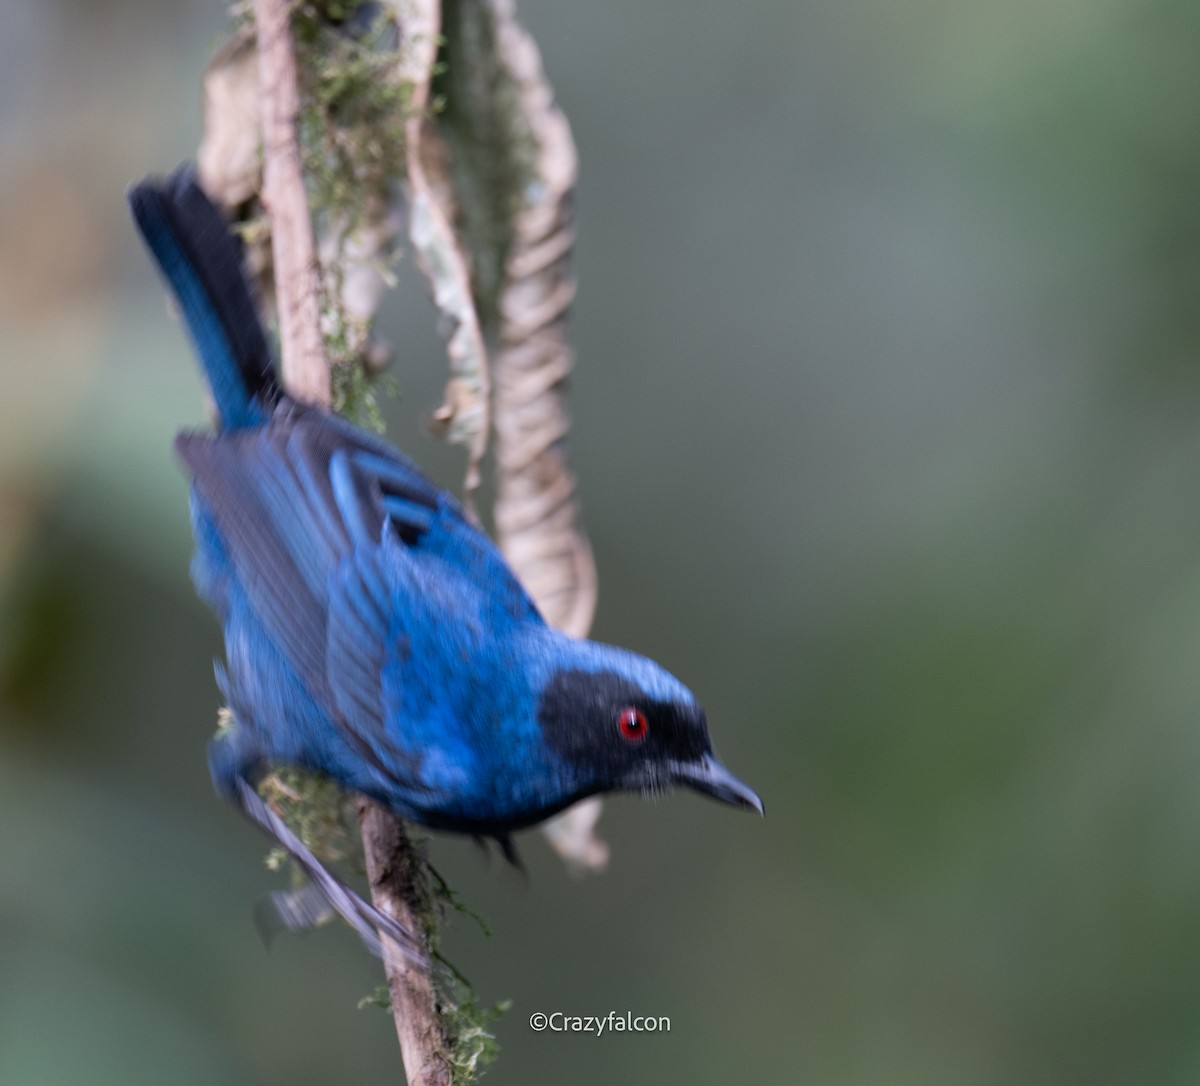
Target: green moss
[(354, 389), (354, 108), (448, 897), (316, 809), (379, 998), (473, 1045)]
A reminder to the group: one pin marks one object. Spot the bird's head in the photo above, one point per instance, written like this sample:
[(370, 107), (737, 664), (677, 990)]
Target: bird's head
[(620, 722)]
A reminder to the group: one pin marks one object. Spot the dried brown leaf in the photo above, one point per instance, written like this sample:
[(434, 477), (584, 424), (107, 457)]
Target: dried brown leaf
[(230, 155), (438, 250), (536, 512)]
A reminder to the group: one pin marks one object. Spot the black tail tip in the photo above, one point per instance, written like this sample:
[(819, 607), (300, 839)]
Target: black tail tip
[(154, 193)]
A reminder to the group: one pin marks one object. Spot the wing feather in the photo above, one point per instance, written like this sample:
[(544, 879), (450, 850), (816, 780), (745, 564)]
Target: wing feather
[(319, 520)]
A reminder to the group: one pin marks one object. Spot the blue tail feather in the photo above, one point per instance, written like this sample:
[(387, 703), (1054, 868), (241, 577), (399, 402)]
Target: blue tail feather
[(201, 262)]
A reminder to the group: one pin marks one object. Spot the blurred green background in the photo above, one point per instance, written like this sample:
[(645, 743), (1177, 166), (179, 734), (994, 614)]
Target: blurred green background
[(887, 419)]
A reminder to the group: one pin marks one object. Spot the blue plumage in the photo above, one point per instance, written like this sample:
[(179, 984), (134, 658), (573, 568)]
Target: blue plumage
[(372, 632)]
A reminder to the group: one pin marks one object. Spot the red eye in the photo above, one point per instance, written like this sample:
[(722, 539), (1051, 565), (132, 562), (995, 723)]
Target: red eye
[(632, 724)]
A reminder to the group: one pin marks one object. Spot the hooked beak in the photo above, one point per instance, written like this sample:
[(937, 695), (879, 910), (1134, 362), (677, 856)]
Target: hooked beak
[(713, 779)]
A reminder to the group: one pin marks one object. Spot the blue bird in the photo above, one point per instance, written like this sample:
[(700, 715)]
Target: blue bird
[(373, 634)]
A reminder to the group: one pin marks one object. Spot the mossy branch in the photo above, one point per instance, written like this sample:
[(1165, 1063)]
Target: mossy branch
[(392, 863), (323, 119)]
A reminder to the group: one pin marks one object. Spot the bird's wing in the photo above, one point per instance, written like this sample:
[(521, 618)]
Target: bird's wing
[(380, 493), (323, 524), (278, 548)]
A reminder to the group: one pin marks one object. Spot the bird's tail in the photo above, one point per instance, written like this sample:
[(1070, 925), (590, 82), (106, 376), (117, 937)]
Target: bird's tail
[(201, 261)]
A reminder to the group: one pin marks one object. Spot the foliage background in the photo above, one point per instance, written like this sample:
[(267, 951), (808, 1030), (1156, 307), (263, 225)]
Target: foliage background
[(888, 424)]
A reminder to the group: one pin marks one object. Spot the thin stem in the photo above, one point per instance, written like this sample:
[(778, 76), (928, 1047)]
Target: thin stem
[(297, 279), (393, 864), (393, 867)]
